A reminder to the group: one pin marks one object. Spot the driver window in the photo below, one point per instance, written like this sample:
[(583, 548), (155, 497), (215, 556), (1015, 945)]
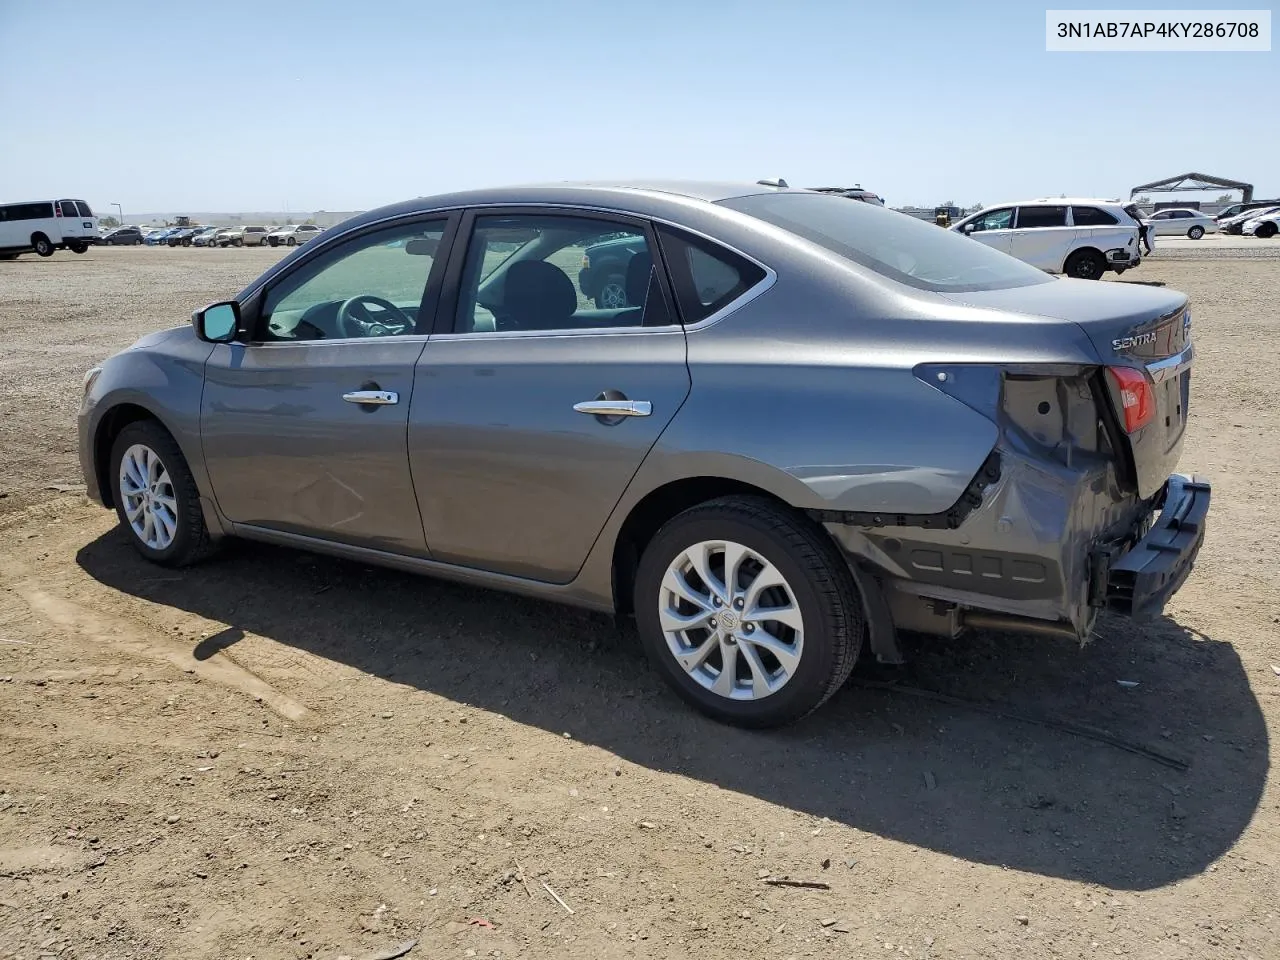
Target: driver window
[(370, 287), (994, 220)]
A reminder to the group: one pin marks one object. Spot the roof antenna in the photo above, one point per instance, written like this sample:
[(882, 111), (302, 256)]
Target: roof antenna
[(776, 182)]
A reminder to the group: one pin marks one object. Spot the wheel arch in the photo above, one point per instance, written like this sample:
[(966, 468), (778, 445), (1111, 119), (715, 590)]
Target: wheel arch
[(108, 428), (654, 509)]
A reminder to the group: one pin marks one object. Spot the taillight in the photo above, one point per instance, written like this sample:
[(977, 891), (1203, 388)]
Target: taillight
[(1137, 396), (586, 262)]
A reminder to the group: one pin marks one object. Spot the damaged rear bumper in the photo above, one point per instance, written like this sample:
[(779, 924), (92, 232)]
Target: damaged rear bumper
[(1138, 580)]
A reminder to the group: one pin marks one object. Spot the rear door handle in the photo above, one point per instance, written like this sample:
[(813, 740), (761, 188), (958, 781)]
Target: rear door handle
[(376, 397), (615, 408)]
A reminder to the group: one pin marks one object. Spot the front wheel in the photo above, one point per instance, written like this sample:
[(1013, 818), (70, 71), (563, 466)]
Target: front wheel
[(1085, 265), (748, 611), (42, 245), (1195, 233), (156, 498), (290, 242)]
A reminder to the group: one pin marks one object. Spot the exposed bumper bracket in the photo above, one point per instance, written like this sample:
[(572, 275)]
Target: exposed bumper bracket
[(1140, 582)]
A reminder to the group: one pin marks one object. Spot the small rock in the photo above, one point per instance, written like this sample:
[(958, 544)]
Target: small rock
[(1023, 919), (829, 922), (568, 735), (840, 928), (172, 818), (746, 914), (826, 864), (851, 863), (1127, 684), (617, 771), (929, 781), (647, 825), (1274, 668), (1176, 810), (761, 874), (386, 716), (573, 792), (928, 941)]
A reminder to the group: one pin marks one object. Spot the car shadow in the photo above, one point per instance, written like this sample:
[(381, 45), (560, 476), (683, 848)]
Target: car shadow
[(939, 775)]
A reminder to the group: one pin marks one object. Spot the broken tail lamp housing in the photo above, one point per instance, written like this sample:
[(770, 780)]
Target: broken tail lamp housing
[(1137, 396)]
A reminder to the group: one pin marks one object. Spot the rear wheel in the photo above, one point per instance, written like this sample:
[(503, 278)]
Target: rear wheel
[(77, 246), (42, 245), (138, 242), (1085, 265), (613, 293), (748, 611), (1195, 233), (1266, 230), (156, 497)]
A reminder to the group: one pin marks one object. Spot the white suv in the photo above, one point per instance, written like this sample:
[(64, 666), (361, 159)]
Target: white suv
[(1082, 238)]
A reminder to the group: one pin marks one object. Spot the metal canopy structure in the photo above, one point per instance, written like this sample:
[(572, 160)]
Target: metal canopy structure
[(1194, 181)]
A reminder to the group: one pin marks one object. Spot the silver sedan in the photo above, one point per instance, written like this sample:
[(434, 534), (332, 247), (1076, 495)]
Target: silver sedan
[(803, 424)]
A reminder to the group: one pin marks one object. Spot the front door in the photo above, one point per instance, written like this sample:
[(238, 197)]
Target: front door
[(303, 427), (993, 228), (534, 407)]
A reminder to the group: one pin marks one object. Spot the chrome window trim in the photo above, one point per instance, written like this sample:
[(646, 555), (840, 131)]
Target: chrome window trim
[(1171, 367), (316, 247)]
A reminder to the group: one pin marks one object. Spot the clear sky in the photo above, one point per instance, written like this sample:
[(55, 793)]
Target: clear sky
[(234, 105)]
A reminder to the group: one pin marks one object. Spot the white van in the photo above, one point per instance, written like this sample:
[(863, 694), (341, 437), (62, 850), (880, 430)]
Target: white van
[(1081, 237), (44, 226)]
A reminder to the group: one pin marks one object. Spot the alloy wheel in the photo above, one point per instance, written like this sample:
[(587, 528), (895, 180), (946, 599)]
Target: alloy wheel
[(150, 504), (731, 620)]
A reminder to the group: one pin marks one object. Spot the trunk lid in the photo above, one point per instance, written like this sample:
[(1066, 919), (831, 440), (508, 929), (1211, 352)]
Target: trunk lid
[(1129, 326)]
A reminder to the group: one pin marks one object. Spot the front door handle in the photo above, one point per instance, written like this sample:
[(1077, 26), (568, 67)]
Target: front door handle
[(615, 408), (375, 397)]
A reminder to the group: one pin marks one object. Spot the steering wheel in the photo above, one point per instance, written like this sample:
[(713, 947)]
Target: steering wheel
[(355, 319)]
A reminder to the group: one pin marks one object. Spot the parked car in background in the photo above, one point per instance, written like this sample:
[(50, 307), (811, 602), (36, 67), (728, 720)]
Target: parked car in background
[(603, 275), (1176, 222), (123, 236), (45, 226), (1080, 237), (293, 235), (251, 237), (1227, 213), (1263, 227), (823, 422), (204, 237), (183, 236), (1235, 225), (230, 237), (158, 236)]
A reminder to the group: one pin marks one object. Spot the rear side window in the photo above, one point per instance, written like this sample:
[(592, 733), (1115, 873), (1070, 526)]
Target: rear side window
[(1032, 217), (706, 276), (26, 211), (1091, 217)]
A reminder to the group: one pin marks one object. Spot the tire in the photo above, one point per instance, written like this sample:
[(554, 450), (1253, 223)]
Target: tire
[(613, 293), (189, 539), (1085, 265), (816, 581), (1195, 233), (75, 246), (237, 242), (187, 242), (42, 245), (290, 242), (1266, 231), (138, 242)]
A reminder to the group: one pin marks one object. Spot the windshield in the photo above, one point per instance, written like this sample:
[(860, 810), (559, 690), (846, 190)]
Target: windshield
[(895, 245)]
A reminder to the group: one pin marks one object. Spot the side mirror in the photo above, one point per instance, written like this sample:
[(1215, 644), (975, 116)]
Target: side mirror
[(968, 228), (218, 322)]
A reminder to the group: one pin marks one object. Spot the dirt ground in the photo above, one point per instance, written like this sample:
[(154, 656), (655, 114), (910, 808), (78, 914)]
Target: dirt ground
[(277, 755)]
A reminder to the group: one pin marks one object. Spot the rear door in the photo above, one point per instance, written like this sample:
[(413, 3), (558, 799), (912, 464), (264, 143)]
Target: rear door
[(1041, 236), (532, 407)]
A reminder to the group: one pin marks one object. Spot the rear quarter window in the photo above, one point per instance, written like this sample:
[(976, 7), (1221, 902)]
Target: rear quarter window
[(1092, 217), (706, 276)]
